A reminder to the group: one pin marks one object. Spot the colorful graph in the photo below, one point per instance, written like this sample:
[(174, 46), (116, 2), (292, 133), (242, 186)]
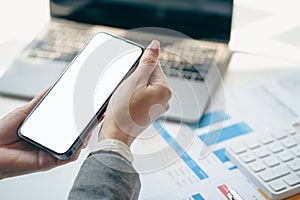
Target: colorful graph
[(224, 190), (180, 151), (209, 118), (220, 153), (225, 133), (197, 197)]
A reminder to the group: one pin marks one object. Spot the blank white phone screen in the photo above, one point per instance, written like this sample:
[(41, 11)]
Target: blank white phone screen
[(85, 86)]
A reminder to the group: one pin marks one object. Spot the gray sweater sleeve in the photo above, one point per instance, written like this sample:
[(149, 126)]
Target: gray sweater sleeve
[(106, 175)]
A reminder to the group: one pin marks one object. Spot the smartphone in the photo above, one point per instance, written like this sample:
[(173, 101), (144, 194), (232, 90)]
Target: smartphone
[(73, 105)]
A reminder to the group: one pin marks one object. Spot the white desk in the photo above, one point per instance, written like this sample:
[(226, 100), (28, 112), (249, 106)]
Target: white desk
[(56, 183)]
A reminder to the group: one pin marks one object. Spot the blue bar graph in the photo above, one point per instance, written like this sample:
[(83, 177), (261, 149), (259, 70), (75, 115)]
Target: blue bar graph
[(197, 197), (221, 155), (209, 118), (226, 133), (232, 168), (180, 151)]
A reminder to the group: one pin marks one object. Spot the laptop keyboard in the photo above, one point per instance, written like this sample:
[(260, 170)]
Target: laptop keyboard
[(183, 59), (193, 69), (177, 60), (58, 44)]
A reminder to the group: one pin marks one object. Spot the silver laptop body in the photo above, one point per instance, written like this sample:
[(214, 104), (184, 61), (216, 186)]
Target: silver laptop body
[(192, 81)]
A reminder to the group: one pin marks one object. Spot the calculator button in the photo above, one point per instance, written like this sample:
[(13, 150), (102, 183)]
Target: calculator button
[(275, 148), (257, 166), (252, 144), (291, 131), (274, 173), (271, 161), (285, 156), (288, 142), (296, 124), (277, 185), (238, 148), (279, 135), (292, 179), (294, 165), (296, 151), (261, 152), (266, 139), (247, 157), (297, 137)]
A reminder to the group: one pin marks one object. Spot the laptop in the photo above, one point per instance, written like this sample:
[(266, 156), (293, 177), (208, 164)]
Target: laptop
[(192, 70)]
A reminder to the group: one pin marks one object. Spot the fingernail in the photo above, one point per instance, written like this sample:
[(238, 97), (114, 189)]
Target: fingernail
[(154, 45)]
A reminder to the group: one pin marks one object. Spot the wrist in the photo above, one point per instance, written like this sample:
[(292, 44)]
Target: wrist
[(113, 132)]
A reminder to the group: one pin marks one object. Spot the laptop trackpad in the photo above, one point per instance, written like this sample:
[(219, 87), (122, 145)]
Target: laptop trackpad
[(27, 79), (189, 99)]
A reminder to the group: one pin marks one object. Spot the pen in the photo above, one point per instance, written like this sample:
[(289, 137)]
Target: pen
[(229, 196), (233, 195)]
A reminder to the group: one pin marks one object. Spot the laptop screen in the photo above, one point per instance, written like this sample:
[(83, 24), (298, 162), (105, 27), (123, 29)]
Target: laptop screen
[(200, 19)]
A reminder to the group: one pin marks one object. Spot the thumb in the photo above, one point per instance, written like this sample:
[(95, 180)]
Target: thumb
[(148, 62), (158, 77)]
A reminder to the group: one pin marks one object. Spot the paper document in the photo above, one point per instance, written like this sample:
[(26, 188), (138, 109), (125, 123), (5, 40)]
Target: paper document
[(188, 161)]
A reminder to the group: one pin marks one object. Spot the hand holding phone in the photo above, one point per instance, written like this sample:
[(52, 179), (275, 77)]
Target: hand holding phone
[(18, 157), (139, 100), (74, 104)]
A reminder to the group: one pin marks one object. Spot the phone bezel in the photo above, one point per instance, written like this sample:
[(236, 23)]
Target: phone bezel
[(95, 119)]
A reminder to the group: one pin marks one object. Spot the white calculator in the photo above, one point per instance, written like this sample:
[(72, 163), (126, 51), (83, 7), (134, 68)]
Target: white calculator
[(271, 162)]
